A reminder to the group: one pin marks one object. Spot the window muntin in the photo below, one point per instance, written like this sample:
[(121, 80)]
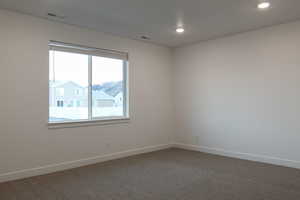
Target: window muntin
[(86, 86)]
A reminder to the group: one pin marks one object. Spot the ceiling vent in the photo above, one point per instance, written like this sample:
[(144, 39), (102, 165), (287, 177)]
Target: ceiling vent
[(143, 37), (55, 16)]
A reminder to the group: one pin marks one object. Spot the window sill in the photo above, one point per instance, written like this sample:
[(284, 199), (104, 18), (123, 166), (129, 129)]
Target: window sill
[(95, 122)]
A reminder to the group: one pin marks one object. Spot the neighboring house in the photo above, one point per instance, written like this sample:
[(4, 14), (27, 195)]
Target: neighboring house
[(67, 94), (70, 94), (101, 99), (119, 99)]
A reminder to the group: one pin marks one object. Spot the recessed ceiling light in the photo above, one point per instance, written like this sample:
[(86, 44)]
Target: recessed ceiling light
[(179, 30), (264, 5)]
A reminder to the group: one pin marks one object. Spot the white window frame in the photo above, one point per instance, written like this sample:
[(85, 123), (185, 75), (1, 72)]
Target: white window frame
[(91, 51)]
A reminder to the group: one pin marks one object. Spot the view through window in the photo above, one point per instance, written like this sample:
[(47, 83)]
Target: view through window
[(86, 84)]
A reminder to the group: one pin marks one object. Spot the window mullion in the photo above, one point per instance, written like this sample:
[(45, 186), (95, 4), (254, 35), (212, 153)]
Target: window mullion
[(90, 72)]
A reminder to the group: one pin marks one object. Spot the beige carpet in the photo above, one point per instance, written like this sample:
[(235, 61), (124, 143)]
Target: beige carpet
[(167, 175)]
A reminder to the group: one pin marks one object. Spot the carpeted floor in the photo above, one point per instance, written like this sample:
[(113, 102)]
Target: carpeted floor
[(171, 174)]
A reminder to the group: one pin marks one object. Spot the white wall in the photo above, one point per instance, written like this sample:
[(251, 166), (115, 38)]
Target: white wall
[(25, 140), (240, 95)]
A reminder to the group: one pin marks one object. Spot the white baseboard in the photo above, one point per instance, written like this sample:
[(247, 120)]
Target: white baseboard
[(77, 163), (244, 156), (97, 159)]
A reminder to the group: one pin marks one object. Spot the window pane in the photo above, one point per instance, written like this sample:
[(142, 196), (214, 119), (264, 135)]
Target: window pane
[(107, 87), (68, 86)]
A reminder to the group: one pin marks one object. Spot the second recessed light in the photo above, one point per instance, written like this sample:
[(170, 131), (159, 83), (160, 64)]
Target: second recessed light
[(264, 5), (180, 30)]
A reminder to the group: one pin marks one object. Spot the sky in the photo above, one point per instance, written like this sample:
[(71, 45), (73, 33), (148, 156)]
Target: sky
[(74, 67)]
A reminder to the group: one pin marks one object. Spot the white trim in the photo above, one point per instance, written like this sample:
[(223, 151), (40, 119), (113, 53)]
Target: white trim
[(239, 155), (98, 159), (126, 88), (94, 122), (80, 49), (77, 163)]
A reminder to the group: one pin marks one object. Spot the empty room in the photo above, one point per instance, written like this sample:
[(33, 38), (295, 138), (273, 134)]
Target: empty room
[(150, 100)]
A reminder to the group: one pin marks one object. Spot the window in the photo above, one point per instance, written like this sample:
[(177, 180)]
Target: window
[(60, 103), (77, 92), (91, 82)]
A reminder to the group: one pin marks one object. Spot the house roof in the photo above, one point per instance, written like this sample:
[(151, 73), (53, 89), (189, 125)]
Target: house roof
[(119, 93), (62, 83), (101, 95)]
